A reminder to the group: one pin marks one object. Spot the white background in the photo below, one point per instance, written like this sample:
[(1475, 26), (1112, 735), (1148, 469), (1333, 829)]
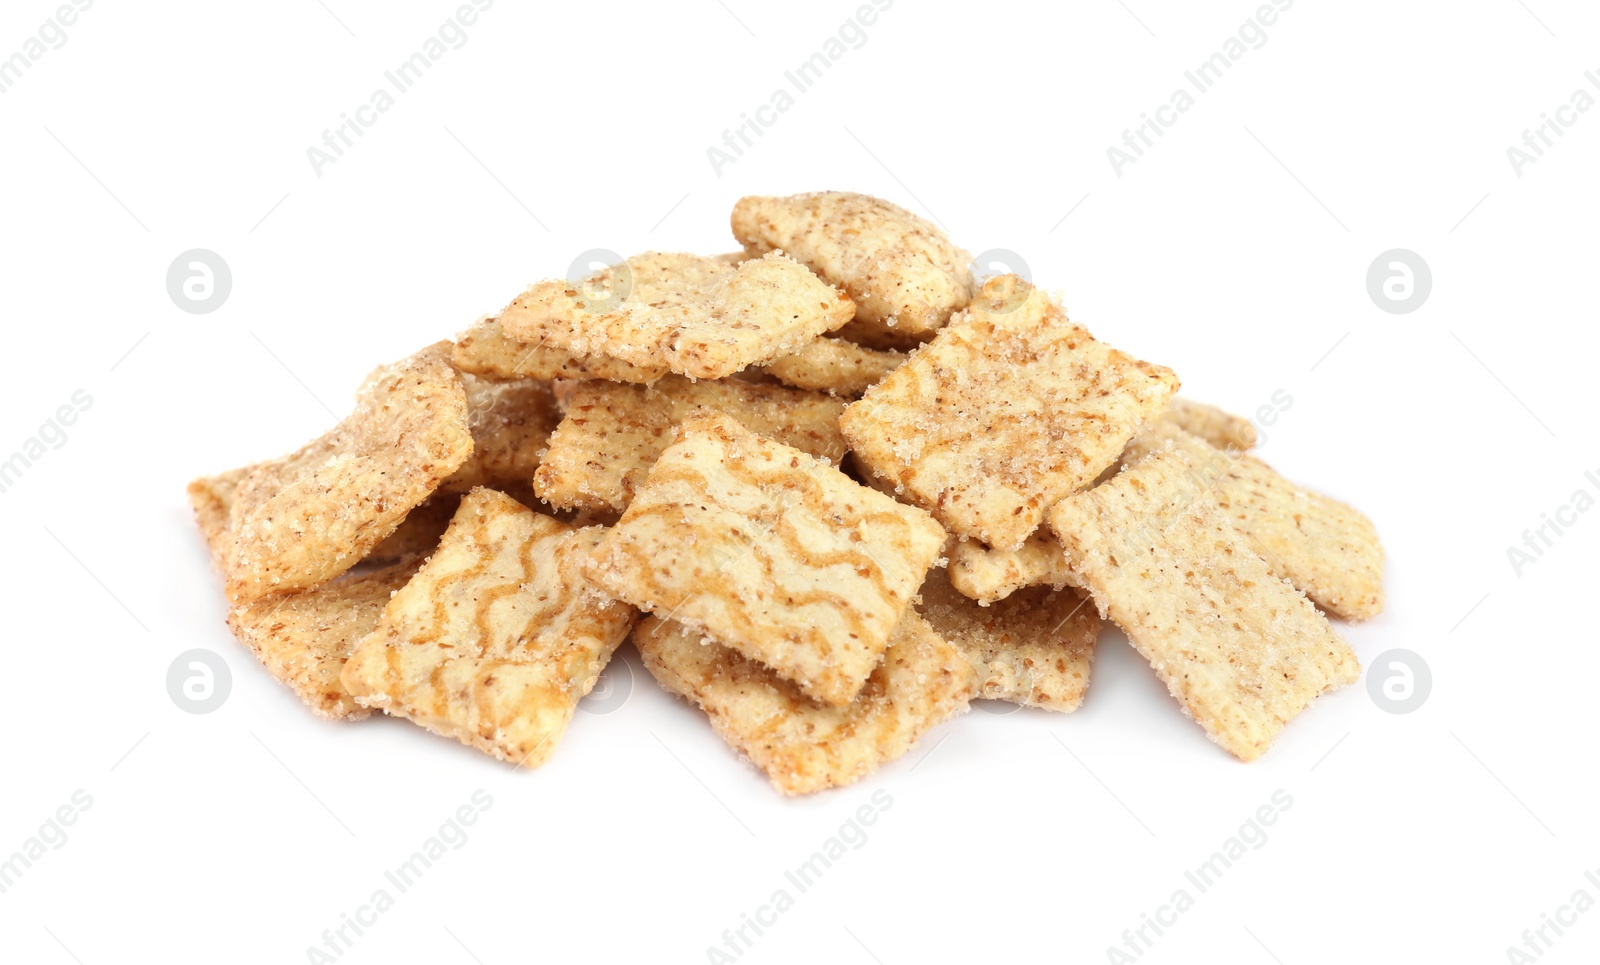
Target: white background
[(1235, 251)]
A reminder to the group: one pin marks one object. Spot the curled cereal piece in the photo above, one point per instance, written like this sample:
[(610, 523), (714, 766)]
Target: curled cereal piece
[(801, 745), (904, 275), (773, 552), (497, 637), (702, 317), (304, 519), (1241, 650), (1008, 409)]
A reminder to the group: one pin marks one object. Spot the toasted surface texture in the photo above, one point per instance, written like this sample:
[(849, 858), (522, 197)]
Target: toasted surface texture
[(1008, 409), (612, 434), (1033, 648), (772, 552), (485, 350), (987, 575), (497, 637), (304, 638), (211, 497), (1242, 650), (304, 519), (511, 424), (701, 317), (834, 365), (904, 275), (1222, 429), (801, 745), (1327, 549)]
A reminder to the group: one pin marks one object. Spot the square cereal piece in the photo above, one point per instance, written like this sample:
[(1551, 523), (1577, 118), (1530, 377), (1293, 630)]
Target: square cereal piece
[(834, 365), (804, 746), (905, 276), (1033, 648), (612, 433), (702, 317), (1327, 549), (497, 637), (511, 424), (1216, 426), (989, 575), (304, 638), (1008, 409), (301, 520), (1241, 650), (485, 350), (772, 552)]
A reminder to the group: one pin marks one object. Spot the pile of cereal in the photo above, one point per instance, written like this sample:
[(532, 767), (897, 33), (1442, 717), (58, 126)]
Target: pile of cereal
[(834, 487)]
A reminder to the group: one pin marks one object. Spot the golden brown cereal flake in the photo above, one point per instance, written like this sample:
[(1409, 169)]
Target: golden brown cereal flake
[(497, 637), (773, 552), (1008, 409), (905, 276), (1242, 650), (702, 317), (801, 745)]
